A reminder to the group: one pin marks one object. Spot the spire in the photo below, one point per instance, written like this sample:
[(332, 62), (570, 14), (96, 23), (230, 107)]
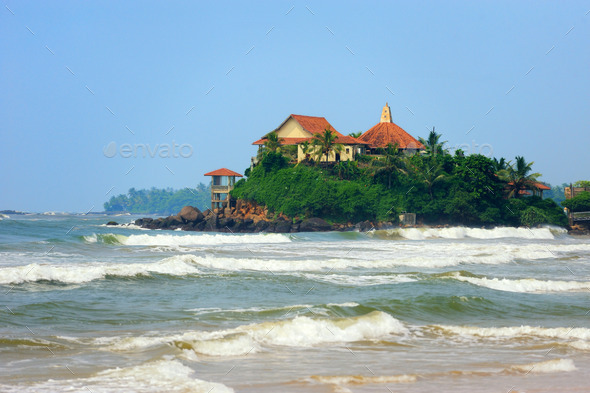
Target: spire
[(386, 114)]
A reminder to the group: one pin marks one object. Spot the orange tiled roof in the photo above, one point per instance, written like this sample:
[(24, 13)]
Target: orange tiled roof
[(313, 125), (223, 172), (383, 133), (538, 185)]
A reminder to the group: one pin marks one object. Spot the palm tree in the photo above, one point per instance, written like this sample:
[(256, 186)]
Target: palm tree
[(500, 164), (326, 143), (273, 142), (432, 143), (389, 163), (306, 149), (518, 177), (356, 134), (432, 176)]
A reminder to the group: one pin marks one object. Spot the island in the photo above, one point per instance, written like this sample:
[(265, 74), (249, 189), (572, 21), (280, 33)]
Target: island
[(307, 176)]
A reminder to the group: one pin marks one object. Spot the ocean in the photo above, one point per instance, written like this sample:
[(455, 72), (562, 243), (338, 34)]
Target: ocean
[(93, 308)]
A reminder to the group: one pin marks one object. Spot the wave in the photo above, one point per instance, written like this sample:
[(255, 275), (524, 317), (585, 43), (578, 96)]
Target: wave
[(156, 376), (548, 366), (526, 285), (363, 379), (300, 331), (511, 332), (544, 233), (186, 240), (82, 273)]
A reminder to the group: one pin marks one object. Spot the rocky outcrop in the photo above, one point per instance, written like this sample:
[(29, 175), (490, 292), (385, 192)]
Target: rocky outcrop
[(248, 217), (245, 217)]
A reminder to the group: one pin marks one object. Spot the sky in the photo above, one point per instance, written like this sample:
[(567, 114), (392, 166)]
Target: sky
[(99, 97)]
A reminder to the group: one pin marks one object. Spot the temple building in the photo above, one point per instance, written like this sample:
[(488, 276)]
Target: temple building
[(222, 182), (385, 132), (297, 129)]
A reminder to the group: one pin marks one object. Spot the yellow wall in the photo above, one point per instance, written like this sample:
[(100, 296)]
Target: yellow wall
[(344, 156), (292, 129)]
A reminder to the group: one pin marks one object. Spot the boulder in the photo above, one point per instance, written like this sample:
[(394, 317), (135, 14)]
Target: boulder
[(314, 225), (212, 222), (261, 226), (365, 226), (190, 214), (282, 226), (112, 223), (172, 222)]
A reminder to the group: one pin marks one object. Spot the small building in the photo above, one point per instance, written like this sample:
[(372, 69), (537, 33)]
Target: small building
[(534, 188), (222, 182), (297, 129), (386, 132)]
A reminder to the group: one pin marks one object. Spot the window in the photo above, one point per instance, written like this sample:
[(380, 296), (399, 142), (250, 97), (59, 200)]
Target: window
[(348, 150)]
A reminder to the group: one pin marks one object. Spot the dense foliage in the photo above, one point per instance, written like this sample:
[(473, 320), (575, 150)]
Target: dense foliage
[(579, 203), (440, 188), (160, 201)]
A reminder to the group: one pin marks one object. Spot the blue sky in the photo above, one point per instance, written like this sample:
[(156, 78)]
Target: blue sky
[(92, 94)]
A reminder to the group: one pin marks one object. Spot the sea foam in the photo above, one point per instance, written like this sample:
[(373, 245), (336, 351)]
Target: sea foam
[(526, 285), (300, 331), (187, 239), (156, 376)]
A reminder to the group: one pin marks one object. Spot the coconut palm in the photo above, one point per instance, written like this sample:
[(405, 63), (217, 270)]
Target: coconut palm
[(306, 149), (356, 134), (433, 144), (500, 164), (326, 142), (519, 177), (389, 163), (273, 142)]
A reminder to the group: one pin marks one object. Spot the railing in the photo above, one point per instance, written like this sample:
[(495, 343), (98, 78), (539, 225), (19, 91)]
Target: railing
[(580, 216)]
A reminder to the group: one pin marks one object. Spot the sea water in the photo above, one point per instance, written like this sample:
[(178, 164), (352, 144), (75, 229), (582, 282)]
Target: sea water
[(93, 308)]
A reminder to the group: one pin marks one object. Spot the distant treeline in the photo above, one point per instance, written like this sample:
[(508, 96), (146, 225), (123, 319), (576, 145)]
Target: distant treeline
[(160, 201)]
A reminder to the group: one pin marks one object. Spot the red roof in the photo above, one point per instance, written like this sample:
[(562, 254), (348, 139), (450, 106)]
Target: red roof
[(537, 185), (382, 134), (223, 172), (314, 125)]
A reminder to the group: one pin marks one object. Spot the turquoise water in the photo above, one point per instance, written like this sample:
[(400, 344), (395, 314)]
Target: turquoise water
[(86, 307)]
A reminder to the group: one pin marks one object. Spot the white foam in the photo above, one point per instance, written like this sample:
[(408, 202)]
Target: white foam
[(81, 273), (363, 380), (156, 376), (476, 233), (548, 366), (360, 280), (192, 239), (563, 333), (300, 331), (527, 285)]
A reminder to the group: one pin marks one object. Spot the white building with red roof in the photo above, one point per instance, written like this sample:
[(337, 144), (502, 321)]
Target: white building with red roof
[(297, 129)]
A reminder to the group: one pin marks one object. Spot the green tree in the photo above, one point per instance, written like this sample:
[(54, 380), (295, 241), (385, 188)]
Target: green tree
[(582, 183), (579, 203), (519, 177), (433, 144), (273, 142), (356, 134), (326, 143), (390, 163)]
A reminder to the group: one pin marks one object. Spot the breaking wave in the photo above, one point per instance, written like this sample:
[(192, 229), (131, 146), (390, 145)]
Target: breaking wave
[(156, 376), (300, 331), (526, 285), (475, 233), (548, 366), (76, 274), (186, 240)]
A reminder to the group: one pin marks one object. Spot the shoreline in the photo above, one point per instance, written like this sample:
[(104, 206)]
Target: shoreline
[(255, 220)]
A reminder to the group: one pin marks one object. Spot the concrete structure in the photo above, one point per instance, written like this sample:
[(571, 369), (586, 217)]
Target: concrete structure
[(297, 129), (386, 132), (222, 182)]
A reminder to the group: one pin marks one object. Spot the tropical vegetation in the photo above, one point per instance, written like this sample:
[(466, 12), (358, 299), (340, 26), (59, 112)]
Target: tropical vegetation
[(441, 188), (160, 201)]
